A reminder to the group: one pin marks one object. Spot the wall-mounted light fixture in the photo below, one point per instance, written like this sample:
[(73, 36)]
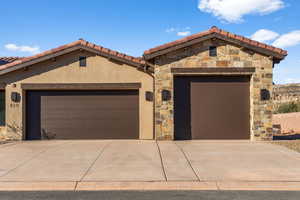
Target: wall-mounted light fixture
[(165, 95), (265, 94), (15, 97), (149, 96)]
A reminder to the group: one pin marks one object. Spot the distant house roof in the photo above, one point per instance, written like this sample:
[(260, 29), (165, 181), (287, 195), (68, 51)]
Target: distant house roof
[(215, 32), (5, 60)]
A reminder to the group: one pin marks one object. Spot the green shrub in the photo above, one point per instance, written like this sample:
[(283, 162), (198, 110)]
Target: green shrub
[(288, 108)]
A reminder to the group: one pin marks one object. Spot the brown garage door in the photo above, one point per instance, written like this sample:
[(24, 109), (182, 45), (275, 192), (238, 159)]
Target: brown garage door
[(82, 114), (214, 107)]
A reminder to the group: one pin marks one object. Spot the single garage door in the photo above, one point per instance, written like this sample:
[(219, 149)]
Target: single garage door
[(212, 107), (82, 114)]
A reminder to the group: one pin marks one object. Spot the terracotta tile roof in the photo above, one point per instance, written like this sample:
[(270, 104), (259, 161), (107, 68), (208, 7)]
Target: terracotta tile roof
[(5, 60), (137, 61), (79, 42), (216, 30)]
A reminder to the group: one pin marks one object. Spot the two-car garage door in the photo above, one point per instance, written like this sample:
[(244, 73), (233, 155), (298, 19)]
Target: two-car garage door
[(82, 114), (212, 107)]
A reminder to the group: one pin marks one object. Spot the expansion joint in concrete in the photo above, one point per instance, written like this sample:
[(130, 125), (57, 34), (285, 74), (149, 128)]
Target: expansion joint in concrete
[(188, 161), (161, 161), (93, 163)]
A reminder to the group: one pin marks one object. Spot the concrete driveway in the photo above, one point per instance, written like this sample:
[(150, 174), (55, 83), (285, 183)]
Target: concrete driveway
[(133, 160)]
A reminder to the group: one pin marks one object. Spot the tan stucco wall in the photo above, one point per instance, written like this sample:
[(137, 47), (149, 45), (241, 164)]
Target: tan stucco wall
[(65, 69), (229, 55)]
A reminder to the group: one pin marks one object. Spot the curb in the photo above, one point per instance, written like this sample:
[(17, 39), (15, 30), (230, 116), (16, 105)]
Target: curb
[(37, 186), (149, 186), (260, 186)]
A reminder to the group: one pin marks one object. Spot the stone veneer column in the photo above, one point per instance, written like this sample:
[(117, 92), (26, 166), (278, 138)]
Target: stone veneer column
[(164, 123), (261, 110)]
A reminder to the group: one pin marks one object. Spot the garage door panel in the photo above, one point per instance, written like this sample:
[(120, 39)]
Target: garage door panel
[(219, 107), (56, 124), (84, 114), (89, 116), (102, 102)]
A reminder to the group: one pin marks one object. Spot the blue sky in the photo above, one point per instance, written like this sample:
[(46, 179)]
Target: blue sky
[(133, 26)]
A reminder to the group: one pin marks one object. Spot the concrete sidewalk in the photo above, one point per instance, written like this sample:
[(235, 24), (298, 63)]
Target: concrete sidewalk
[(147, 165)]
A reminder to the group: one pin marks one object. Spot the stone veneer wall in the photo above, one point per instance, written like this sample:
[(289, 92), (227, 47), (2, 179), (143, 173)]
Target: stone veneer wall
[(228, 56)]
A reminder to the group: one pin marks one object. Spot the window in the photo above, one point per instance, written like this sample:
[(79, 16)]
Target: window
[(2, 108), (82, 61), (212, 51)]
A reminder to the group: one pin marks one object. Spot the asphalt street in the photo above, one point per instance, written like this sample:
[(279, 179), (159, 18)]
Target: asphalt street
[(153, 195)]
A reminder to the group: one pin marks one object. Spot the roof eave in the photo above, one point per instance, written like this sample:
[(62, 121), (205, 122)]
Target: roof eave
[(277, 56), (37, 60), (110, 56), (18, 66)]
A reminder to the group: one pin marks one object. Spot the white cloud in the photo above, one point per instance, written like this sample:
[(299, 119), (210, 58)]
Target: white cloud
[(180, 31), (264, 35), (288, 39), (170, 30), (27, 49), (233, 10), (183, 33)]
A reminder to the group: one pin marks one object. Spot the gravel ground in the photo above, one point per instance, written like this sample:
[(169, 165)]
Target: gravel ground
[(291, 144)]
